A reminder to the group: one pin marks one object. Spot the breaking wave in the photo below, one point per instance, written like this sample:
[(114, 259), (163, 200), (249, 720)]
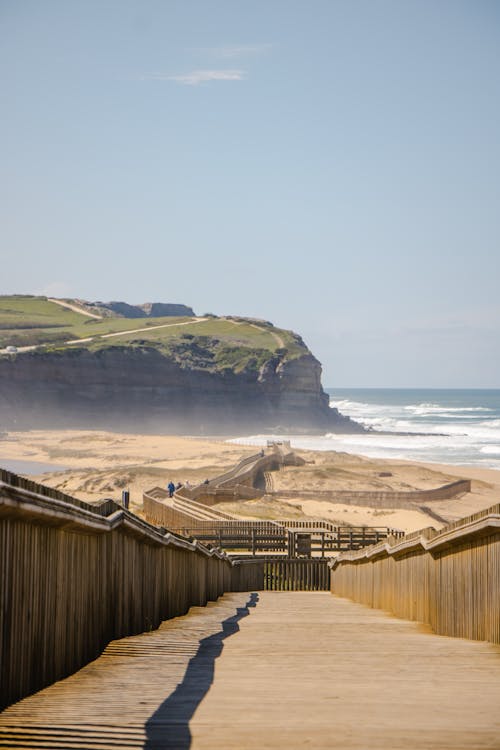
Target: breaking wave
[(454, 427)]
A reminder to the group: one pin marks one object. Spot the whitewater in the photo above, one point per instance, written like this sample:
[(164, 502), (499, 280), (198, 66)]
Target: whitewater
[(441, 426)]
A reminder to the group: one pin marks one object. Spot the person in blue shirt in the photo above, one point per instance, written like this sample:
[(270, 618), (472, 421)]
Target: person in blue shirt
[(171, 489)]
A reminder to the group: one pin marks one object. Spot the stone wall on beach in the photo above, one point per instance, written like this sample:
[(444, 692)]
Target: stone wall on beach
[(140, 388)]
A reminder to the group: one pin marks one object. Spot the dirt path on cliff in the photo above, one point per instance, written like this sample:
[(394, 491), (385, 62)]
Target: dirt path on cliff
[(150, 328), (72, 342), (75, 308), (22, 349), (276, 337)]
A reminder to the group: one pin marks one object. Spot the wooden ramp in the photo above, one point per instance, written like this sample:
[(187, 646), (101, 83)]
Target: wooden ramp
[(273, 670)]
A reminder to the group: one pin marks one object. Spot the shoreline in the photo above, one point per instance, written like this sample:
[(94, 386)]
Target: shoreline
[(19, 449), (102, 464), (379, 454)]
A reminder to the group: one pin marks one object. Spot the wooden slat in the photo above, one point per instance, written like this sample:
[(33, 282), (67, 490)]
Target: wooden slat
[(448, 579), (72, 580), (296, 575)]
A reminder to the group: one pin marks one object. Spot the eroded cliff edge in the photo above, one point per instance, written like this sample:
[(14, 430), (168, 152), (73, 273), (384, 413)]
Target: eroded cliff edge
[(185, 389), (75, 363)]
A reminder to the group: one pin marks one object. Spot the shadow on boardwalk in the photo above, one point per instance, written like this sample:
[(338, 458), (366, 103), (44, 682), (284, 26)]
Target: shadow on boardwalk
[(168, 727)]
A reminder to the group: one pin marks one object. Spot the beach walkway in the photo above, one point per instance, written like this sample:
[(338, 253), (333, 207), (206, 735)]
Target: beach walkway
[(273, 670)]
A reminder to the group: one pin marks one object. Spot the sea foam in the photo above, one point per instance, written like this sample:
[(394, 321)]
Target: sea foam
[(455, 427)]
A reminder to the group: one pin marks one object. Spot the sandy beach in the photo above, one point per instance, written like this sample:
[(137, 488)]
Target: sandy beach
[(102, 464)]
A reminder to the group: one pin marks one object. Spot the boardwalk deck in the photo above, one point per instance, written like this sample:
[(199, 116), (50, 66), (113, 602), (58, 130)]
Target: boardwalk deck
[(273, 670)]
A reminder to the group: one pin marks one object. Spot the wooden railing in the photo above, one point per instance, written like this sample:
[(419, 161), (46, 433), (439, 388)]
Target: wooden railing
[(181, 517), (74, 576), (449, 579), (373, 534), (238, 481), (277, 536), (210, 526), (296, 575), (260, 536), (227, 477), (381, 498), (14, 480), (286, 574)]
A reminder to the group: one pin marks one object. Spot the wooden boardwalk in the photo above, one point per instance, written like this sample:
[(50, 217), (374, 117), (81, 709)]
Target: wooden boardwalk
[(273, 670)]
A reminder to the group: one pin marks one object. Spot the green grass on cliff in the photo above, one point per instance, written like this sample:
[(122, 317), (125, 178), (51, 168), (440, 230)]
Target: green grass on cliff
[(221, 344), (30, 321)]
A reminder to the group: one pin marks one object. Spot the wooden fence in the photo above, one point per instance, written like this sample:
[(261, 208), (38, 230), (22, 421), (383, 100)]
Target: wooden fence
[(381, 498), (296, 575), (222, 530), (449, 579), (73, 578), (264, 536), (289, 574)]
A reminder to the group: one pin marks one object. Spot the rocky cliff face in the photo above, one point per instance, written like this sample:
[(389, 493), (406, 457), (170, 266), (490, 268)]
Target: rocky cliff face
[(147, 310), (140, 388)]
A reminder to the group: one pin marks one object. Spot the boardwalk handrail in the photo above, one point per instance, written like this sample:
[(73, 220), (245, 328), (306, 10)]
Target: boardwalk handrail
[(73, 578), (157, 494), (429, 538), (449, 579), (385, 497), (214, 527), (10, 479), (246, 467), (41, 505), (221, 479)]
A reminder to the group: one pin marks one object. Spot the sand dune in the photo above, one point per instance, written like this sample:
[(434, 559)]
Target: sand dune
[(101, 464)]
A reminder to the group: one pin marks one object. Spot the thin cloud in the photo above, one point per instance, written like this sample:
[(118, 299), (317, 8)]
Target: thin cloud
[(239, 50), (195, 77)]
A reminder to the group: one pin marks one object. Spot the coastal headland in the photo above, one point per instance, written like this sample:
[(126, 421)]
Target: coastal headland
[(155, 367)]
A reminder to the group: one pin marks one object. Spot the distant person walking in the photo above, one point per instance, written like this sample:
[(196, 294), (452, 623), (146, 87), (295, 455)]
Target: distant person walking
[(171, 489)]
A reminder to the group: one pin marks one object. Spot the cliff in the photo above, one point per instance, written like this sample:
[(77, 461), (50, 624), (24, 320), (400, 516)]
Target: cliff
[(140, 388), (79, 364), (146, 310)]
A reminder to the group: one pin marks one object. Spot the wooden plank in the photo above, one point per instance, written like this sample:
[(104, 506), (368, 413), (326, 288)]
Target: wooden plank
[(298, 669), (454, 589)]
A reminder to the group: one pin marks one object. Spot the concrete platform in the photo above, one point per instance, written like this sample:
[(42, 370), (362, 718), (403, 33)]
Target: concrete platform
[(273, 670)]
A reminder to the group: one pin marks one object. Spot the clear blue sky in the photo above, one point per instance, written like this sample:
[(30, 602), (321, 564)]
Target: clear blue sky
[(332, 166)]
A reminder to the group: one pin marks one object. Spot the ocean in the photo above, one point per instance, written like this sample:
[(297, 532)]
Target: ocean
[(460, 426)]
